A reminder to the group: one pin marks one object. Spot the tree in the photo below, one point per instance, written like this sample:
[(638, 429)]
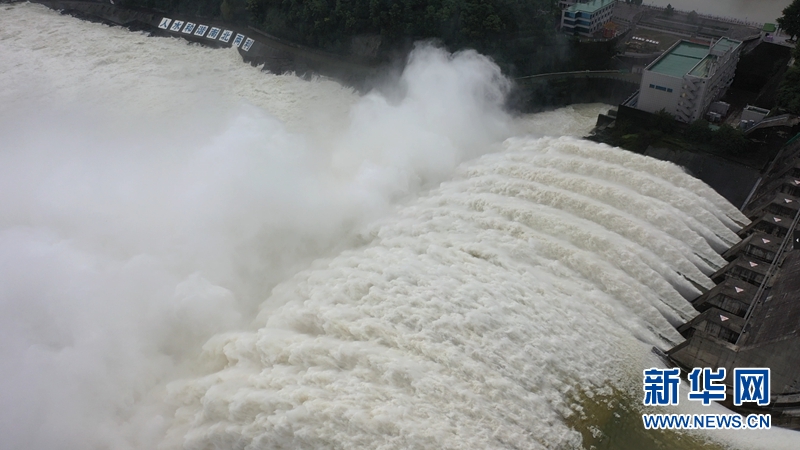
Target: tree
[(730, 140), (257, 9), (692, 17), (790, 21), (669, 9), (789, 91), (662, 121), (700, 132), (226, 10)]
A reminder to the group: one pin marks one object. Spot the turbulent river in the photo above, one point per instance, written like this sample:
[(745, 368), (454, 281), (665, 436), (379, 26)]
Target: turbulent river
[(197, 254)]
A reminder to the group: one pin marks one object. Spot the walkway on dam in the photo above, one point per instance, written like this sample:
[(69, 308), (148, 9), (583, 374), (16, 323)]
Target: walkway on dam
[(634, 78)]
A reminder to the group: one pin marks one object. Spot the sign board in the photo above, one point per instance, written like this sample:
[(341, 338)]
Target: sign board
[(238, 40)]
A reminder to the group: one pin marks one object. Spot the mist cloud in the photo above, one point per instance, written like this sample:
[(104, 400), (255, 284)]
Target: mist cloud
[(147, 206)]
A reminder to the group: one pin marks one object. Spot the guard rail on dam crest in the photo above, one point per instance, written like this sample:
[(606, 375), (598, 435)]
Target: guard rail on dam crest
[(629, 77)]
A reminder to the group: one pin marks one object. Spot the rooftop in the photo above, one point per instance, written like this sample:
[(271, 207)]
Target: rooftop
[(690, 58), (703, 68), (724, 44), (589, 7), (678, 61)]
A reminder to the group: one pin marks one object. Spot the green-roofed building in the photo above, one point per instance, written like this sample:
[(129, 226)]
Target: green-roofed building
[(585, 18), (688, 77)]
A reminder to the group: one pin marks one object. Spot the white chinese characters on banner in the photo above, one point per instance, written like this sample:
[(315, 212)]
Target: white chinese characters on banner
[(238, 40)]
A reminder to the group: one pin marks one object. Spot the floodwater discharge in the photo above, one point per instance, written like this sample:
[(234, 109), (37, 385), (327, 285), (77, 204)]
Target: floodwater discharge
[(197, 254)]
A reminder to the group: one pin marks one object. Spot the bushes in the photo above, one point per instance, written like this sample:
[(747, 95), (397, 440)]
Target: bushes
[(520, 35), (481, 24), (200, 8), (700, 132), (724, 139), (730, 140), (661, 129), (789, 89)]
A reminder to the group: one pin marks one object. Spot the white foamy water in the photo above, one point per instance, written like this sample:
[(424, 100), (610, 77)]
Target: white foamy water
[(196, 254)]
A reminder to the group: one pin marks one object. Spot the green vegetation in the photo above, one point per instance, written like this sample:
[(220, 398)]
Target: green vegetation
[(661, 130), (486, 25), (516, 33), (789, 89), (790, 21), (200, 8), (481, 24), (520, 35), (725, 139)]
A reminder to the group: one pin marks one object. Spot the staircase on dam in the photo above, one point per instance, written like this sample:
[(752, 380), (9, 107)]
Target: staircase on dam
[(784, 120), (751, 318)]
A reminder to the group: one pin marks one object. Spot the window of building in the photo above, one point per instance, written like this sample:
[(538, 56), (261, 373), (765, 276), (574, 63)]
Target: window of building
[(660, 88)]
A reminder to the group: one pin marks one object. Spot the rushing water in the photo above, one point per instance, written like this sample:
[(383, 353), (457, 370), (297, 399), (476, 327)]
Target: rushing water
[(196, 254)]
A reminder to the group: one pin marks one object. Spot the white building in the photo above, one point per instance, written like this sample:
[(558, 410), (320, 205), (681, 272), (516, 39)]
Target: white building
[(584, 19), (688, 77)]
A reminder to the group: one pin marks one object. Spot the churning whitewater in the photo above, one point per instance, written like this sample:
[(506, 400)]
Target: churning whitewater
[(196, 254), (470, 316)]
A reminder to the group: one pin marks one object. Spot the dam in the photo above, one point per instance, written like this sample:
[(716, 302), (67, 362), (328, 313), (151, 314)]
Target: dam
[(752, 316), (199, 254)]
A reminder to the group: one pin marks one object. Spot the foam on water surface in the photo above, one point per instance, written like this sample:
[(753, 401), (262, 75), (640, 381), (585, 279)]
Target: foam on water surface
[(196, 254)]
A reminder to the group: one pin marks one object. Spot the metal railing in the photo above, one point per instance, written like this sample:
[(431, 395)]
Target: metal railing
[(770, 273)]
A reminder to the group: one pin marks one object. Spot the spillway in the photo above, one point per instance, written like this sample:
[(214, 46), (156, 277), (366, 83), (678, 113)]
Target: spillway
[(196, 254)]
